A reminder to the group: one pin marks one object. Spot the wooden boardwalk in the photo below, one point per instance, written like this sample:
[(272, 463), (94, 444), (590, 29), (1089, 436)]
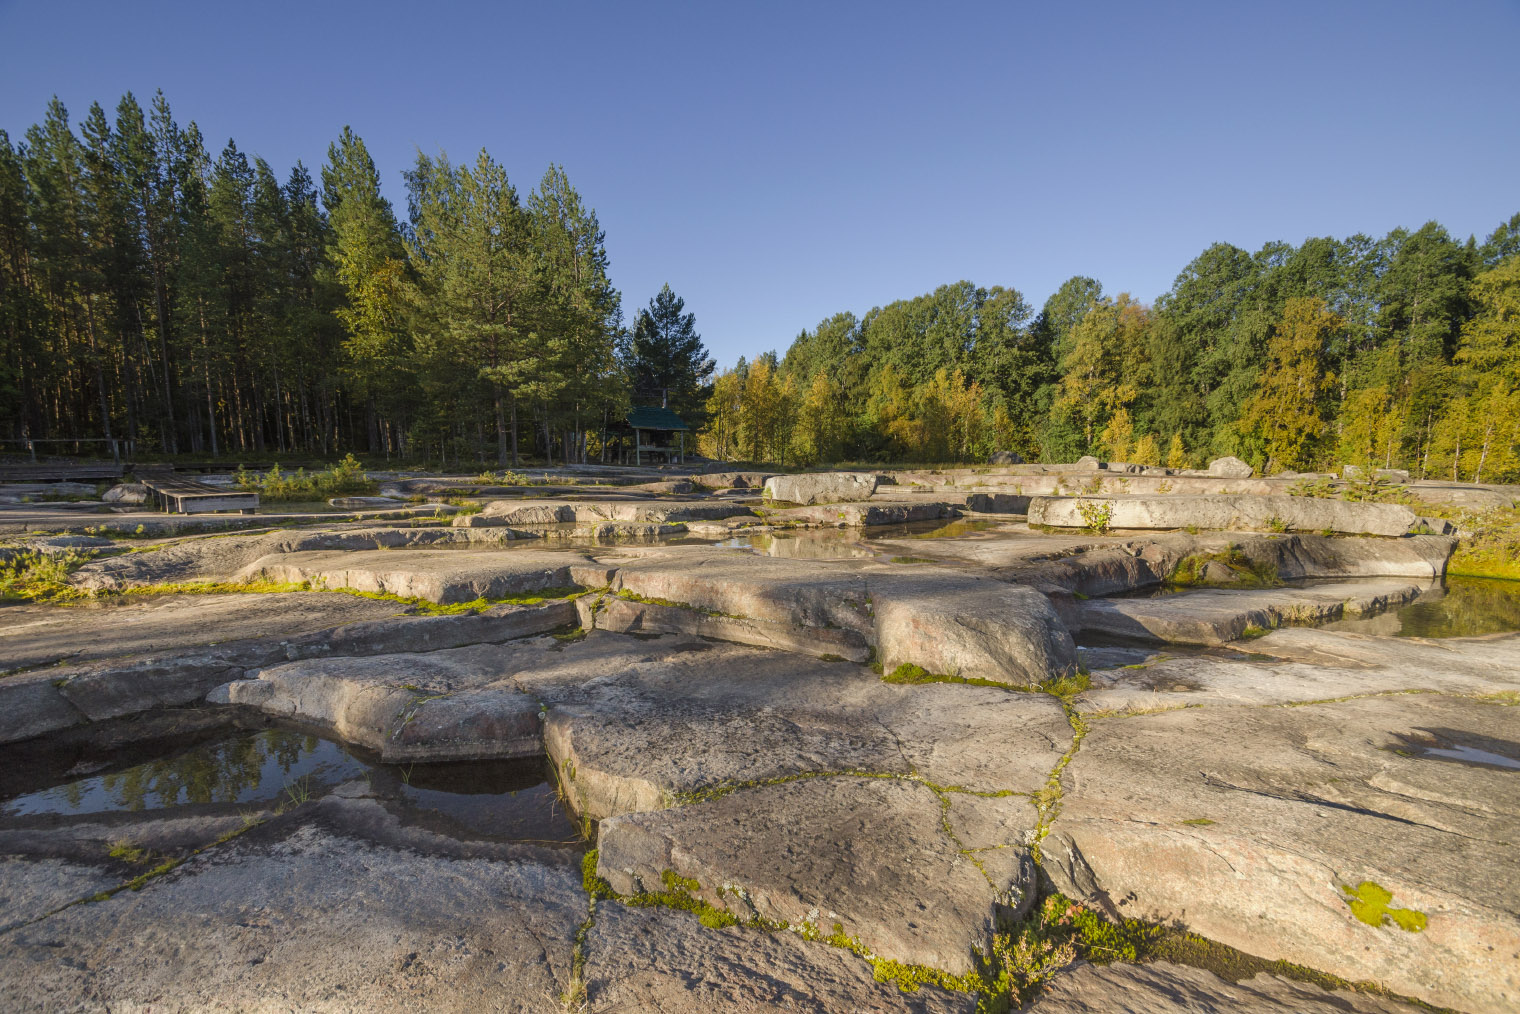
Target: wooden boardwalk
[(186, 496)]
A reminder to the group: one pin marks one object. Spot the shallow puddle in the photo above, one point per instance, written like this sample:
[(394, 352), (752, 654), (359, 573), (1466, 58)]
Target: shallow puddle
[(1466, 607), (1472, 755), (502, 800), (245, 768)]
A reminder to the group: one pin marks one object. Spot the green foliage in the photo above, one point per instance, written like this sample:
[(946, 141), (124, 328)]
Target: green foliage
[(30, 576), (909, 674), (1246, 573), (1489, 546), (1096, 516), (346, 478)]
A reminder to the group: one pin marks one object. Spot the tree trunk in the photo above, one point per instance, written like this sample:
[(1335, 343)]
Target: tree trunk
[(514, 431), (501, 429)]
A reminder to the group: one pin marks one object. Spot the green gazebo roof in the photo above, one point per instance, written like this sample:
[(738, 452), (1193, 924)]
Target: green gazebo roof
[(645, 418)]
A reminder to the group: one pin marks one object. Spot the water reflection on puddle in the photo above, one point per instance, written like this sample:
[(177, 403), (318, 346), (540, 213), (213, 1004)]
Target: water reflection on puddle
[(1467, 607), (507, 800), (1472, 755), (253, 767)]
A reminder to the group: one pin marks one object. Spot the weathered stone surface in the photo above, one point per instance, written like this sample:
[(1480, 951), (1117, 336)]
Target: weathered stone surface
[(657, 961), (220, 558), (442, 576), (740, 584), (1087, 461), (1005, 458), (867, 515), (998, 503), (59, 698), (356, 502), (30, 888), (956, 625), (1165, 988), (315, 921), (1217, 616), (633, 726), (1331, 664), (32, 705), (1249, 826), (1252, 513), (732, 480), (871, 856), (126, 492), (666, 486), (454, 704), (821, 487), (625, 616), (1229, 468), (34, 635), (544, 512)]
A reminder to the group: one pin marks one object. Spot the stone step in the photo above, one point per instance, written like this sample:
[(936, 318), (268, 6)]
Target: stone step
[(1218, 616)]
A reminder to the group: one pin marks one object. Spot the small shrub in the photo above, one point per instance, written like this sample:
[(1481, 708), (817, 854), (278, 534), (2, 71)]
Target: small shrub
[(1096, 516), (1276, 524), (346, 478)]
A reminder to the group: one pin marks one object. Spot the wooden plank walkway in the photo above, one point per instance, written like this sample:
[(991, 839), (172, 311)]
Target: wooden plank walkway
[(186, 496), (62, 472)]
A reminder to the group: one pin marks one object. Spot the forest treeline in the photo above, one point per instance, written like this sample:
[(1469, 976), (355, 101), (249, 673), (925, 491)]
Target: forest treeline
[(1402, 351), (202, 305)]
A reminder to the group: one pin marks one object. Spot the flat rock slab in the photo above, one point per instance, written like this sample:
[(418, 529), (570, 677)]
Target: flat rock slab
[(869, 515), (658, 961), (1259, 828), (1165, 988), (794, 592), (1334, 664), (442, 576), (1250, 513), (455, 704), (821, 487), (1218, 616), (528, 513), (223, 557), (628, 616), (316, 921), (635, 726), (37, 635), (868, 855)]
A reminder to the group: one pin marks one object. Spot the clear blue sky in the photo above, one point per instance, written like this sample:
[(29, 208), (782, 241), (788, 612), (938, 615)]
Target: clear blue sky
[(778, 162)]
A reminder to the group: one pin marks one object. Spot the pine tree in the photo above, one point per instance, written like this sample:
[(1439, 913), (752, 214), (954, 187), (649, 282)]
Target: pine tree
[(669, 361)]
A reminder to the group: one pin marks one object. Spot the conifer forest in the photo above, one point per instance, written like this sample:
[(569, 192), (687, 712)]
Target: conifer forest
[(199, 302)]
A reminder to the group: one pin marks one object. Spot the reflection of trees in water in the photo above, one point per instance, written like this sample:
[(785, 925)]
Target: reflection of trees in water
[(214, 773), (1470, 607)]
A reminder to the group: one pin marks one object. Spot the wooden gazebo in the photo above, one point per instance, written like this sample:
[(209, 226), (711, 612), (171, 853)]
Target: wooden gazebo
[(657, 431)]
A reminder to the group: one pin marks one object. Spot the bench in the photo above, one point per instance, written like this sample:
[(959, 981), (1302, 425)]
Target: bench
[(186, 496)]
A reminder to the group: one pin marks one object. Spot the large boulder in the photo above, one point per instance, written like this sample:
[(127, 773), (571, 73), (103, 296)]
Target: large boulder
[(1088, 462), (1005, 458), (126, 492), (821, 487), (1229, 468), (954, 625)]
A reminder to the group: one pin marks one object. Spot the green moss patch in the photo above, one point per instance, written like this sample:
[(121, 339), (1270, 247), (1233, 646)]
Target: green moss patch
[(1244, 572), (1370, 903)]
